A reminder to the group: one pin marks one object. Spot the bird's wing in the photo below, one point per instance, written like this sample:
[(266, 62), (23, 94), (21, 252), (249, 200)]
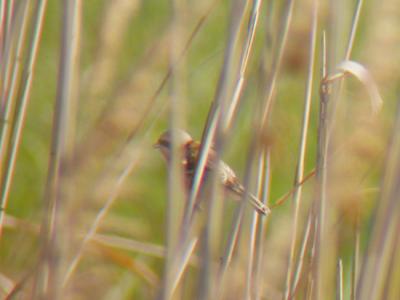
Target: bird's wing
[(227, 176), (231, 182)]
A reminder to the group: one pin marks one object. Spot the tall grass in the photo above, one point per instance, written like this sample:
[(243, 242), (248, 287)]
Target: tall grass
[(273, 88)]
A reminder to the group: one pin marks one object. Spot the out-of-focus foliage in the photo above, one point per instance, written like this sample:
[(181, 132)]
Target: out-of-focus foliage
[(124, 92)]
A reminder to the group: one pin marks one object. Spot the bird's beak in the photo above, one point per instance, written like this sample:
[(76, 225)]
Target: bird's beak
[(156, 145)]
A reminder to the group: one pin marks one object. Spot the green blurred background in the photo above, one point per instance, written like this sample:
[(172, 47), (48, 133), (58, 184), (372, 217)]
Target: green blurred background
[(120, 71)]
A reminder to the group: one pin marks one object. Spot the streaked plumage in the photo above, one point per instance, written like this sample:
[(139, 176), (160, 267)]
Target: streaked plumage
[(191, 151)]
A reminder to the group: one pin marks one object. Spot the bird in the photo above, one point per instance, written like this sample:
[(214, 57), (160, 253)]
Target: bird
[(190, 155)]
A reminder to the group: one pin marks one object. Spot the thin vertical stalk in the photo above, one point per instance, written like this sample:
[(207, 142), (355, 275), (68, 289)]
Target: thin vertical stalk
[(153, 98), (256, 227), (9, 15), (12, 43), (214, 132), (182, 263), (265, 164), (310, 292), (371, 280), (268, 92), (233, 234), (9, 90), (2, 17), (310, 289), (6, 20), (353, 30), (356, 259), (244, 59), (23, 96), (339, 280), (61, 144), (252, 241), (356, 252), (243, 63), (304, 246), (277, 60), (214, 116), (132, 163), (99, 218), (175, 172), (390, 284), (238, 87), (302, 148), (11, 26), (213, 119), (321, 174), (349, 49)]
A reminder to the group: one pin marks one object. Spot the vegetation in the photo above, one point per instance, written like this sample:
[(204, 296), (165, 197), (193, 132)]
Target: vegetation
[(298, 97)]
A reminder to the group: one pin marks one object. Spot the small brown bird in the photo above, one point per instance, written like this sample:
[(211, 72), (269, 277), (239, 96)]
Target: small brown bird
[(191, 150)]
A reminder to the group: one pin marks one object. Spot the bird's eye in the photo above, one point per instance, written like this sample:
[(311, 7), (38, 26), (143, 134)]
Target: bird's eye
[(164, 143)]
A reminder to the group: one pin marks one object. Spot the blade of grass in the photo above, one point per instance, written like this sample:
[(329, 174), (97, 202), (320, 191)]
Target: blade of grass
[(214, 134), (270, 85), (339, 280), (375, 263), (255, 241), (129, 263), (23, 98), (130, 245), (302, 255), (391, 289), (215, 114), (2, 17), (281, 200), (349, 49), (299, 176), (61, 146), (353, 30), (99, 218), (264, 163), (321, 174), (244, 59), (226, 120), (356, 259), (182, 261), (10, 90), (176, 189), (196, 30), (132, 160), (310, 292), (277, 58), (7, 35)]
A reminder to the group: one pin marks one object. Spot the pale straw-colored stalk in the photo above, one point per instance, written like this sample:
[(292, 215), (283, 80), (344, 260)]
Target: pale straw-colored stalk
[(253, 267), (62, 143), (268, 92), (305, 245), (339, 280), (385, 226), (321, 175), (356, 259), (299, 176), (23, 100), (176, 189), (214, 134), (215, 114), (10, 88), (133, 158)]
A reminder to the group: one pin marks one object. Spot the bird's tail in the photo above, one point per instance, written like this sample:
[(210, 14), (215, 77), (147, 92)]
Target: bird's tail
[(258, 205), (238, 189)]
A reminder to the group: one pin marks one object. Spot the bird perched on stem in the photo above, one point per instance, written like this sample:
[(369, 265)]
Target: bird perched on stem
[(190, 151)]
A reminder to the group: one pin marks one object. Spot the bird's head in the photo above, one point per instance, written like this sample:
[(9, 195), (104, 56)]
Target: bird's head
[(164, 142)]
